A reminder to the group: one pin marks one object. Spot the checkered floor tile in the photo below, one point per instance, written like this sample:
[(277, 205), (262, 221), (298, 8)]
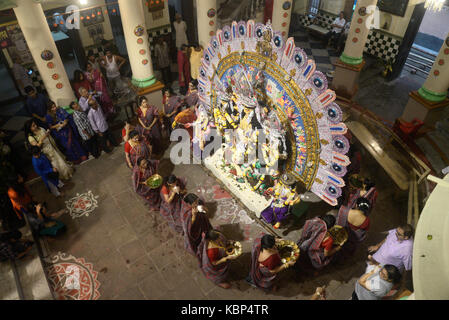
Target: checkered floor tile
[(316, 50)]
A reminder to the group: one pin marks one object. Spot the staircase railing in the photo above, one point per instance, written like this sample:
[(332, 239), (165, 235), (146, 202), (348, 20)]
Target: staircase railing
[(420, 61)]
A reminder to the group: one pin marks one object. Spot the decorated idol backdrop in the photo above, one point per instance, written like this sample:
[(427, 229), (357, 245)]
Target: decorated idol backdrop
[(251, 79)]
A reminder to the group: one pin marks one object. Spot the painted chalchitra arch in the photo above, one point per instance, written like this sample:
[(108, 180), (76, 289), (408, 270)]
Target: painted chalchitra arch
[(297, 92)]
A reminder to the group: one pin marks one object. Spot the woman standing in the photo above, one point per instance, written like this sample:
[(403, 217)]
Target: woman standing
[(142, 171), (98, 82), (148, 126), (316, 241), (172, 192), (194, 222), (214, 261), (192, 97), (183, 68), (354, 218), (61, 127), (37, 136), (136, 147), (79, 80), (172, 106), (265, 263)]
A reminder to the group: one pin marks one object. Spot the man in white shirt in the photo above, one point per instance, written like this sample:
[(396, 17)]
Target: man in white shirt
[(342, 39), (337, 28)]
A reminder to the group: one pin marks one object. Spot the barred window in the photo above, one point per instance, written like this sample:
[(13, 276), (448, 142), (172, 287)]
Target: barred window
[(314, 6)]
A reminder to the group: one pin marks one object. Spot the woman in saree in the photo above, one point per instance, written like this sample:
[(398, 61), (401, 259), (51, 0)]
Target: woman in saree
[(143, 170), (367, 191), (172, 191), (316, 242), (266, 263), (79, 80), (172, 106), (41, 138), (214, 261), (98, 83), (64, 131), (136, 147), (194, 222), (191, 98), (354, 218), (149, 125)]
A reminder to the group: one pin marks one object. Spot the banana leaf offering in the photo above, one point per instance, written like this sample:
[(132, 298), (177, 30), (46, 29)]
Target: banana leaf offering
[(154, 182)]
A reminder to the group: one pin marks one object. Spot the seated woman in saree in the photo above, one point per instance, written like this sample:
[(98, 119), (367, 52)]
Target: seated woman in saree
[(316, 242), (191, 98), (41, 138), (143, 170), (136, 147), (149, 125), (98, 83), (265, 263), (44, 223), (172, 191), (194, 222), (172, 106), (65, 132), (49, 175), (214, 261)]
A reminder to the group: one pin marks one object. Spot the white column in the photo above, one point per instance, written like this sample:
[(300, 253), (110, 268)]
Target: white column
[(206, 20), (358, 33), (34, 26), (282, 12), (137, 44), (437, 83)]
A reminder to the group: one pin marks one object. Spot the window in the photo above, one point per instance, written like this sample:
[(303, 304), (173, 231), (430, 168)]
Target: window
[(314, 6)]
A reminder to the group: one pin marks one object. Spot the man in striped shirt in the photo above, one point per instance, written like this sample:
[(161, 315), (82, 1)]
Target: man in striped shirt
[(85, 129)]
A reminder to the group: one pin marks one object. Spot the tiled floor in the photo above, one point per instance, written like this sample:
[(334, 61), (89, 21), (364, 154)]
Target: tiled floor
[(315, 48), (139, 257)]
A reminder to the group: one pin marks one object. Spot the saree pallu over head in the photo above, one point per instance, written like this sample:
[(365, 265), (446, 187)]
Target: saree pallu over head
[(193, 231), (260, 275), (192, 98), (312, 236), (217, 274), (154, 135), (172, 211), (151, 196)]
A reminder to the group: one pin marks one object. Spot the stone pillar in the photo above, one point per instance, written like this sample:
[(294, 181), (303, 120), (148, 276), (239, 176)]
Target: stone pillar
[(34, 26), (282, 11), (348, 67), (428, 103), (137, 44), (206, 20)]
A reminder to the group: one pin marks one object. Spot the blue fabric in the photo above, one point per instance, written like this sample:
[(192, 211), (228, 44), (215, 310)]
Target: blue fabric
[(43, 167), (37, 105), (73, 152)]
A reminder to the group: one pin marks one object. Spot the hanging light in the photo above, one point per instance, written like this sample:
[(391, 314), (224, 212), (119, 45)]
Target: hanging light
[(435, 5)]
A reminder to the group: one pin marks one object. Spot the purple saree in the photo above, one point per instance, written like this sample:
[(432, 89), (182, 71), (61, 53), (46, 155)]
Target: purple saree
[(260, 275), (312, 236), (151, 196), (172, 211), (154, 135), (193, 231), (217, 274)]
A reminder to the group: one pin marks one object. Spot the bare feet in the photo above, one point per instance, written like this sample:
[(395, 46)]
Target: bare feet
[(224, 285)]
